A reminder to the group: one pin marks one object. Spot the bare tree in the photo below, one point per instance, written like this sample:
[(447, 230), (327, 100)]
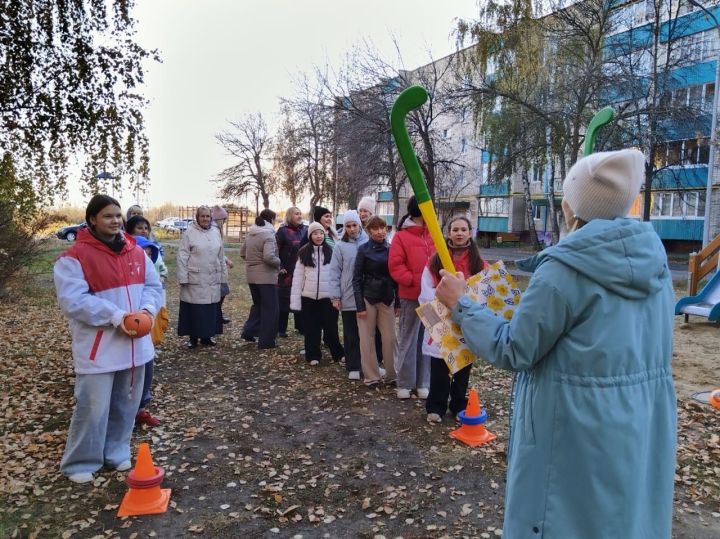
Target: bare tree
[(366, 89), (310, 112), (250, 144), (287, 160)]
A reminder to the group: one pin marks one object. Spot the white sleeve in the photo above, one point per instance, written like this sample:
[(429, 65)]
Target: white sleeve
[(427, 287), (77, 302), (298, 284)]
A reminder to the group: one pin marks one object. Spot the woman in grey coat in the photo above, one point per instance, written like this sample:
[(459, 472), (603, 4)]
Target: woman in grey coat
[(262, 263)]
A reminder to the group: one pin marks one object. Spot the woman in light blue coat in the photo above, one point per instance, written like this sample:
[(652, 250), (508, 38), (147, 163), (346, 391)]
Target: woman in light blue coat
[(592, 444), (342, 266)]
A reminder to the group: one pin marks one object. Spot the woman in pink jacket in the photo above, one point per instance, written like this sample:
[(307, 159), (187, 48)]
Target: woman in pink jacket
[(410, 251)]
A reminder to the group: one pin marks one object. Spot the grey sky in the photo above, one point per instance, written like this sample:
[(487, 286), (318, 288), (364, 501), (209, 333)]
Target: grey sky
[(223, 58)]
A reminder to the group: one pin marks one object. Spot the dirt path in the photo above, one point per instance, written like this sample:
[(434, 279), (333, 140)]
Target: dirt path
[(262, 445)]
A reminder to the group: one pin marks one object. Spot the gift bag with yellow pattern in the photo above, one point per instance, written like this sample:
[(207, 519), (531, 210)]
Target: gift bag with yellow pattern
[(493, 287)]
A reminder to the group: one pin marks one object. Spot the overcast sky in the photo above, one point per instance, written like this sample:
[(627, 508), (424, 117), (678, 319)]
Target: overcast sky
[(224, 58)]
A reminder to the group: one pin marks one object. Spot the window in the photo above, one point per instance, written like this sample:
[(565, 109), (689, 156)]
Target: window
[(445, 133), (495, 206), (709, 97), (678, 204), (463, 144), (536, 211), (682, 153)]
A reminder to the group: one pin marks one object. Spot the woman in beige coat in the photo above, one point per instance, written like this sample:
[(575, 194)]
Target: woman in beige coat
[(262, 264), (201, 271)]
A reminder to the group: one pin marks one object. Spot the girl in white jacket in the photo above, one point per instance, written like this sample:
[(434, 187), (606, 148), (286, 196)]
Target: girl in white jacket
[(310, 294)]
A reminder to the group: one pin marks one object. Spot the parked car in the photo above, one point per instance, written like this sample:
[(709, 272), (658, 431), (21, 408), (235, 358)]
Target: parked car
[(69, 233), (180, 225), (167, 222)]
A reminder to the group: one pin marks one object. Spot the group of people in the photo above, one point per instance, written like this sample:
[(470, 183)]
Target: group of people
[(322, 276), (591, 450)]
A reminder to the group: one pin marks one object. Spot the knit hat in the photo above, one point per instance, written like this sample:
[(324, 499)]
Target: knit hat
[(313, 227), (351, 216), (367, 203), (218, 212), (412, 207), (319, 212), (604, 185)]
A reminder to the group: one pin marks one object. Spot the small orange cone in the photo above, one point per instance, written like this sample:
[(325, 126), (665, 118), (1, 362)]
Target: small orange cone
[(472, 431), (145, 496), (715, 399)]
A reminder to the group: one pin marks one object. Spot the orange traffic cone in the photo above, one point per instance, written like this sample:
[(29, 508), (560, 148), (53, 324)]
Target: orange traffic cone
[(145, 496), (715, 399), (472, 430)]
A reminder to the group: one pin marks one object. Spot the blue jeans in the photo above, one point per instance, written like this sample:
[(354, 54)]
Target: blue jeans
[(103, 420), (147, 384)]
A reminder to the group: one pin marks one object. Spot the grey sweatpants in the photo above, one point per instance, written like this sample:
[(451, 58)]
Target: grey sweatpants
[(103, 420), (413, 368)]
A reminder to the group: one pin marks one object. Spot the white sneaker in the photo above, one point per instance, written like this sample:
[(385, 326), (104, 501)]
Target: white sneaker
[(403, 393), (382, 372), (434, 418), (302, 352), (314, 362), (124, 466), (354, 375), (83, 477), (423, 392)]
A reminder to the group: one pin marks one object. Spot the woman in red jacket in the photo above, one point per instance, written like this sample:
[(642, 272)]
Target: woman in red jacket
[(410, 252)]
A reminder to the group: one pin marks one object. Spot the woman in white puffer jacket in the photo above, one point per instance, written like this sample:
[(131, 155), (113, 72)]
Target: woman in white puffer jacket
[(310, 294)]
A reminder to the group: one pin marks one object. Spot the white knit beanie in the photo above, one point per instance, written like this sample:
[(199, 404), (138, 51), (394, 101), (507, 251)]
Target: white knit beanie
[(367, 203), (604, 185), (315, 226), (351, 216)]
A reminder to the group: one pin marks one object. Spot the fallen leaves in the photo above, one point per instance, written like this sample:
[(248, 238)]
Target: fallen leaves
[(264, 443)]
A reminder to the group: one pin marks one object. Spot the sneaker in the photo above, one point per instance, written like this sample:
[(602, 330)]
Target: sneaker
[(403, 393), (82, 477), (247, 338), (382, 372), (354, 375), (375, 386), (434, 418), (207, 342), (226, 320), (423, 393), (191, 344), (302, 352), (314, 362), (144, 418), (392, 384), (124, 466)]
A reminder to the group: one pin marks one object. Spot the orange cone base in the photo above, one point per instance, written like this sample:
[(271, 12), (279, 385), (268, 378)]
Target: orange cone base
[(473, 435), (150, 501)]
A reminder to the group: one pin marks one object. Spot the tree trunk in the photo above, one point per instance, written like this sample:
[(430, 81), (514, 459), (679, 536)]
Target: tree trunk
[(647, 198), (529, 209), (551, 205), (265, 198)]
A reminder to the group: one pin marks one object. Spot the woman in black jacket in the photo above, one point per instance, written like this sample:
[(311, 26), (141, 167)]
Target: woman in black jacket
[(377, 303)]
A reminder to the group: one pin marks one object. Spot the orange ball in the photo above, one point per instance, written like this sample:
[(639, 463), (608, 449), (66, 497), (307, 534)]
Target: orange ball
[(715, 399), (138, 324)]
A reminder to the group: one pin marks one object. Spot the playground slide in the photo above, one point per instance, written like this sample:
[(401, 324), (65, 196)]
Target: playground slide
[(706, 303)]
